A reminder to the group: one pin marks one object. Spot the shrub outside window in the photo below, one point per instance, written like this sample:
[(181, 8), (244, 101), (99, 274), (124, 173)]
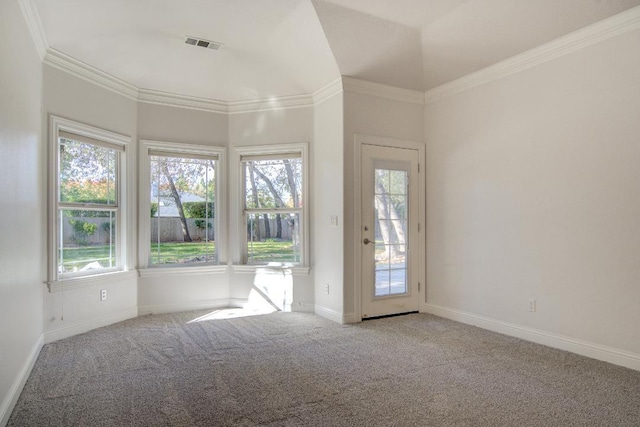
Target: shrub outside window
[(273, 208)]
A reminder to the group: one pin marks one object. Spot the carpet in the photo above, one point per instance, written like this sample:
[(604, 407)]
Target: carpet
[(296, 369)]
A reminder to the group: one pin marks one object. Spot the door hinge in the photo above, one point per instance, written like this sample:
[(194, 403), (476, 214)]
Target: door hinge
[(418, 167), (418, 286), (418, 227)]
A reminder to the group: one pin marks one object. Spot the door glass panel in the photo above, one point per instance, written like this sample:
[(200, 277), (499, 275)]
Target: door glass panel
[(390, 228)]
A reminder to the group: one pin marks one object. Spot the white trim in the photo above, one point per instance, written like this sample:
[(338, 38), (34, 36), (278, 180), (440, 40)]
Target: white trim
[(573, 345), (149, 96), (360, 140), (82, 327), (303, 149), (32, 18), (328, 313), (183, 306), (10, 400), (71, 283), (144, 189), (572, 42), (348, 318), (393, 93), (251, 269), (125, 196), (270, 104), (191, 270), (328, 91), (71, 126), (91, 74), (237, 302), (302, 307)]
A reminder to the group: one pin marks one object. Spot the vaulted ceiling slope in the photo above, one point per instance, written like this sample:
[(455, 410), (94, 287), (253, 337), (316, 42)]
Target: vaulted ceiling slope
[(276, 48)]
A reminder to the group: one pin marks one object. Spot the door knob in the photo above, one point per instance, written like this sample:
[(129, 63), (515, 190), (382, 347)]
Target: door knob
[(366, 241)]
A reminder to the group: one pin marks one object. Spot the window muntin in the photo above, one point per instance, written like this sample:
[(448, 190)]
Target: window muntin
[(87, 205), (183, 206), (273, 209)]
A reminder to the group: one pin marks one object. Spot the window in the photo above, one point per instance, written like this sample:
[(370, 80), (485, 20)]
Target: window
[(273, 207), (183, 194), (87, 207)]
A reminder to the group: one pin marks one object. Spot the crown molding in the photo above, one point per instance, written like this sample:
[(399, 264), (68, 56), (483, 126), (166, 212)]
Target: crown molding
[(149, 96), (32, 18), (269, 104), (86, 72), (572, 42), (326, 92), (364, 87)]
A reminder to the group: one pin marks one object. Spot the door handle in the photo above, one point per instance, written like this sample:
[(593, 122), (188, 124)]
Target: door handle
[(366, 241)]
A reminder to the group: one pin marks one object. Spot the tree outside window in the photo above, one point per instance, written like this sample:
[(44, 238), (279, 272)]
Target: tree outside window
[(182, 197), (273, 208)]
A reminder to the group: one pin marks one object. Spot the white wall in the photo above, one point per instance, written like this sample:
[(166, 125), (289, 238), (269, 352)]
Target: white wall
[(327, 201), (292, 125), (533, 191), (375, 116), (168, 292), (22, 228), (78, 309)]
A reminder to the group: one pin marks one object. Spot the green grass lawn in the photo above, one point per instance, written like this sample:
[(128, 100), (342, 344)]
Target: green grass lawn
[(272, 251), (179, 252)]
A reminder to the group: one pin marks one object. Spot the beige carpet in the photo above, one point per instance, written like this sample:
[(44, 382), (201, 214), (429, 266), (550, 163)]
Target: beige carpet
[(292, 369)]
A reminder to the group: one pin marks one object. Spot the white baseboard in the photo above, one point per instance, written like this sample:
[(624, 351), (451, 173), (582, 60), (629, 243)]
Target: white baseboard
[(350, 318), (237, 302), (333, 315), (184, 306), (82, 327), (583, 348), (303, 307), (16, 388)]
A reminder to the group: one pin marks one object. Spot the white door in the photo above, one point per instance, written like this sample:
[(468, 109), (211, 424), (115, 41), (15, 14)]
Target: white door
[(389, 234)]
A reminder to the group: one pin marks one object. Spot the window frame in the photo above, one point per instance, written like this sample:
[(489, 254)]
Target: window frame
[(146, 269), (300, 150), (60, 125)]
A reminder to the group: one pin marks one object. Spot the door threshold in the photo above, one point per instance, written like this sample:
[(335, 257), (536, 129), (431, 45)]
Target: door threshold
[(384, 316)]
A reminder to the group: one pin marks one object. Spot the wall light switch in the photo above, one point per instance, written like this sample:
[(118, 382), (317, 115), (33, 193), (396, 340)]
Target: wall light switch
[(333, 220)]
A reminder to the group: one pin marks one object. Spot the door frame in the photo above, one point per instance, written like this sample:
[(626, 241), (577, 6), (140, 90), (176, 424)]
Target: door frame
[(359, 141)]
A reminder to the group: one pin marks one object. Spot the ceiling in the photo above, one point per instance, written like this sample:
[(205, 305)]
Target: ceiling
[(275, 48)]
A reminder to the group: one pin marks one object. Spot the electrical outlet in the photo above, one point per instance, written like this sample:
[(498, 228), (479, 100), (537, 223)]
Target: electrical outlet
[(326, 289), (532, 305), (103, 294)]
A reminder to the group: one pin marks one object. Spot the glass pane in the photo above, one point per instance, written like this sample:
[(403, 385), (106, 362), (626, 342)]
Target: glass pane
[(398, 206), (382, 181), (391, 232), (397, 281), (273, 183), (87, 173), (182, 210), (398, 182), (398, 230), (87, 240), (383, 283), (273, 238)]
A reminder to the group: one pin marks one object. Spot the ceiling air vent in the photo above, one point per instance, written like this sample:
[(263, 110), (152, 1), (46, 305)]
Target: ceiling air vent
[(203, 43)]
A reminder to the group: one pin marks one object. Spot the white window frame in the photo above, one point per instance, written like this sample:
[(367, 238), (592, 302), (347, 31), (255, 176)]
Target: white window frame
[(58, 125), (146, 269), (301, 149)]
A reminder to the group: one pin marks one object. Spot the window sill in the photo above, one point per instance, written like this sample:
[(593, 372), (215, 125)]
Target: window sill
[(181, 271), (253, 269), (87, 281)]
